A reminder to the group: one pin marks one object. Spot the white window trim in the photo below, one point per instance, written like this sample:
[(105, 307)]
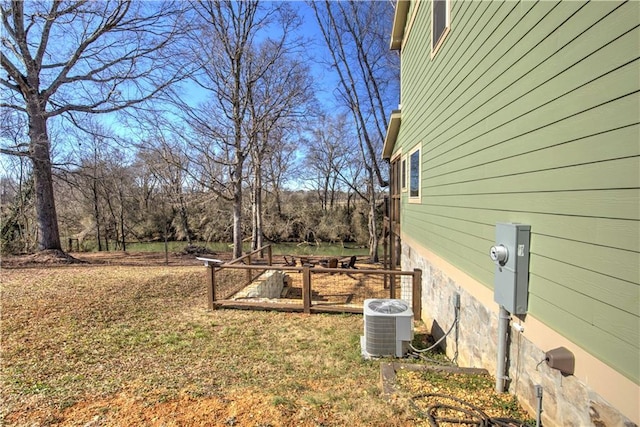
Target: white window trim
[(418, 198), (412, 19), (445, 33), (404, 174)]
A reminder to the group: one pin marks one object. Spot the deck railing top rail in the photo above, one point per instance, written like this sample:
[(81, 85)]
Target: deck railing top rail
[(239, 262), (311, 269)]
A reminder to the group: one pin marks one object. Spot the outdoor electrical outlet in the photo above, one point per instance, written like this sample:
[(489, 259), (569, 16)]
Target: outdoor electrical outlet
[(561, 359)]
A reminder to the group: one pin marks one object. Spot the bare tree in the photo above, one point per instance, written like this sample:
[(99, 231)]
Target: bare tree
[(97, 192), (280, 165), (164, 160), (71, 57), (281, 98), (328, 154), (233, 62), (17, 233), (351, 32)]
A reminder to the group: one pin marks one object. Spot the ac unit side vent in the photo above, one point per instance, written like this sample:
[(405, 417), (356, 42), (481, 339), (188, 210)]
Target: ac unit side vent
[(381, 335)]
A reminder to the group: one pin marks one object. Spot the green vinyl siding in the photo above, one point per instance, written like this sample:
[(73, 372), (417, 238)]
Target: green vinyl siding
[(609, 232), (616, 204), (545, 150), (607, 347), (530, 113), (610, 291), (586, 308), (602, 175), (613, 262)]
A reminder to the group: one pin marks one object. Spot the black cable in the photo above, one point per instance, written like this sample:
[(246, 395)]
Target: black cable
[(455, 322), (477, 417)]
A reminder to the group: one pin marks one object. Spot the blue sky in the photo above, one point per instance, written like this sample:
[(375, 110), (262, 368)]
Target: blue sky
[(325, 79)]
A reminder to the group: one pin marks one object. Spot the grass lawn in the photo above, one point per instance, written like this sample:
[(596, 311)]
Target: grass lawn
[(124, 340), (114, 344)]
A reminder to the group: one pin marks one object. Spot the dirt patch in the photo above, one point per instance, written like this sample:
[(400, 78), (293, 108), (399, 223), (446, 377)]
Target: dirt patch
[(248, 409), (348, 287), (42, 258)]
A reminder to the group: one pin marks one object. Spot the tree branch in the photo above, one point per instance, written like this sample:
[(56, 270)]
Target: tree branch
[(16, 152)]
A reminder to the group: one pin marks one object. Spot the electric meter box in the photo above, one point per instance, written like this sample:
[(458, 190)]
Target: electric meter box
[(511, 256)]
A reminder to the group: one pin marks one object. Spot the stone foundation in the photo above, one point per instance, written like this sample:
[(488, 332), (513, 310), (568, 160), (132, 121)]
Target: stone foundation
[(566, 401)]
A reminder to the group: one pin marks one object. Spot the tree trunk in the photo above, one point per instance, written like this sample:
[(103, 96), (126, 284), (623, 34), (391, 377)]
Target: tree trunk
[(325, 192), (254, 222), (237, 225), (237, 208), (122, 231), (96, 214), (184, 219), (276, 190), (332, 194), (47, 219), (96, 206), (257, 206), (111, 231), (373, 222), (373, 233)]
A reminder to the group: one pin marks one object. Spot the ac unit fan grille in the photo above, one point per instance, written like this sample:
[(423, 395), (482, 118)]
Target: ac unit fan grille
[(388, 306)]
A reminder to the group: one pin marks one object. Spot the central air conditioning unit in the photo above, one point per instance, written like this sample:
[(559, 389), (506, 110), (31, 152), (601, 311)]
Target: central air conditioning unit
[(388, 327)]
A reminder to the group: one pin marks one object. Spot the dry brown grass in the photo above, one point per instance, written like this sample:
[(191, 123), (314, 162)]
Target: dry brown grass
[(125, 340), (349, 287)]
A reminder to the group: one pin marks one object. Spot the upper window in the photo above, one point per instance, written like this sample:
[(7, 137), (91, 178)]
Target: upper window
[(414, 175), (440, 24)]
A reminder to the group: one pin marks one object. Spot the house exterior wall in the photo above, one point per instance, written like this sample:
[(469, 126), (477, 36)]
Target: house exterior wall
[(529, 113)]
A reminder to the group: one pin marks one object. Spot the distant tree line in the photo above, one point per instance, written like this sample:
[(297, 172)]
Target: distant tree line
[(109, 201)]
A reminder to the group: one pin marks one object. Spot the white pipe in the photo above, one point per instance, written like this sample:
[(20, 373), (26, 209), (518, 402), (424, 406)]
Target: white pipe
[(503, 328)]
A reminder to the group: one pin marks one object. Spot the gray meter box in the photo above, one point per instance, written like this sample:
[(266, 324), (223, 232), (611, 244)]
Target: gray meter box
[(511, 255)]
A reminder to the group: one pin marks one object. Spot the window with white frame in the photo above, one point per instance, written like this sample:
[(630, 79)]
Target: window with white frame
[(440, 23), (414, 175)]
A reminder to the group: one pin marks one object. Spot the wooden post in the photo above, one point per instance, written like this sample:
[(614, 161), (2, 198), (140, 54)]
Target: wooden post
[(211, 285), (392, 286), (392, 261), (386, 234), (417, 293), (385, 264), (269, 255), (306, 289), (248, 271)]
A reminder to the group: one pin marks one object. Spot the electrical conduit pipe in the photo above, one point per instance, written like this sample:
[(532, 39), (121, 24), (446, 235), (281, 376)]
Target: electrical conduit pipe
[(503, 331)]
